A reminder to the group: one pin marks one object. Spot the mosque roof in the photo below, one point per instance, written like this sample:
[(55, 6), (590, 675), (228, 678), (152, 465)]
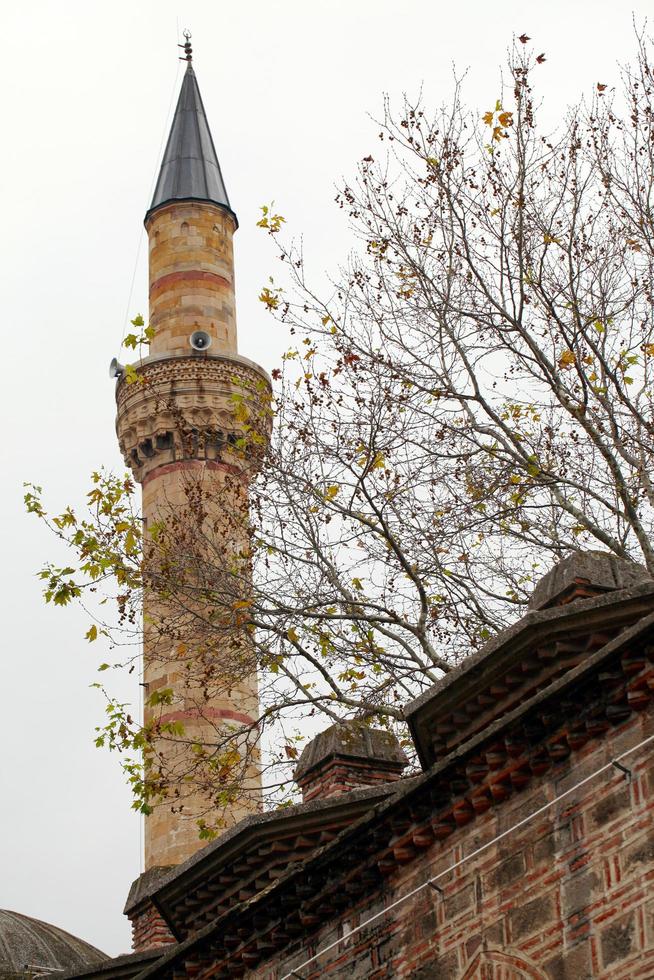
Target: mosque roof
[(29, 946), (585, 685), (562, 677), (190, 170)]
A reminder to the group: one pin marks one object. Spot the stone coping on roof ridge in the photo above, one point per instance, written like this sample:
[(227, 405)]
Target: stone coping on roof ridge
[(237, 835), (601, 571), (414, 785), (410, 786), (115, 962), (513, 634), (353, 741)]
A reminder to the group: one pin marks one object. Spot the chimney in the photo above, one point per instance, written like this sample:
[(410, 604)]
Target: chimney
[(348, 756), (584, 574), (149, 928)]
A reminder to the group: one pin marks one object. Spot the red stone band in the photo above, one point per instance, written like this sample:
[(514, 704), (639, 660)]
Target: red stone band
[(215, 713), (192, 275), (190, 464)]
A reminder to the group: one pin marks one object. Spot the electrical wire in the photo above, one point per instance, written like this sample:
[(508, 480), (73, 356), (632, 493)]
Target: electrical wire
[(152, 183), (125, 319), (613, 764)]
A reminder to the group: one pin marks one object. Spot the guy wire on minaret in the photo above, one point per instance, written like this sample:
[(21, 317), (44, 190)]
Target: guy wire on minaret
[(188, 58)]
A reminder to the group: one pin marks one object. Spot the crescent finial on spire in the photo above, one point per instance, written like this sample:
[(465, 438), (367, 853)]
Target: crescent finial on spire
[(188, 50)]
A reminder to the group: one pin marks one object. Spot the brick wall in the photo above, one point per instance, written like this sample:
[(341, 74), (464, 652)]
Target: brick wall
[(149, 928), (340, 776), (568, 896)]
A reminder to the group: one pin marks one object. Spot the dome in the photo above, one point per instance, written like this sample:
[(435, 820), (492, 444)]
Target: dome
[(28, 945)]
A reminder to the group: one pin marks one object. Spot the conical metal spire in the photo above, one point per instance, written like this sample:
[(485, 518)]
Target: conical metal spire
[(190, 170)]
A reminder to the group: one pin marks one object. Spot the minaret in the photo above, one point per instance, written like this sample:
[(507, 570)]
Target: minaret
[(180, 427)]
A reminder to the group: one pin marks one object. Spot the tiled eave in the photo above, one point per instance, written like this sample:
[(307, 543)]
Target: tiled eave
[(248, 858), (516, 664), (575, 709)]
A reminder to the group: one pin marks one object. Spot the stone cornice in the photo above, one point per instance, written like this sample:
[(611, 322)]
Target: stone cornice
[(196, 357), (174, 205), (191, 408)]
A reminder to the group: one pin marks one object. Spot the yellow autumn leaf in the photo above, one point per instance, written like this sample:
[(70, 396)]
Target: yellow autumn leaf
[(269, 299), (331, 491), (566, 360)]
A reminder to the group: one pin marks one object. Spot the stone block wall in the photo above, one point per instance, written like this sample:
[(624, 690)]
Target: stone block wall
[(211, 702), (191, 276), (568, 896), (179, 426)]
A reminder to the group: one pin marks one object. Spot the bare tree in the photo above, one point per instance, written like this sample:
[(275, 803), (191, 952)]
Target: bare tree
[(471, 402)]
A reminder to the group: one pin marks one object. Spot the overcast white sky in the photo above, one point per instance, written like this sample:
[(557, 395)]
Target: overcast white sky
[(288, 87)]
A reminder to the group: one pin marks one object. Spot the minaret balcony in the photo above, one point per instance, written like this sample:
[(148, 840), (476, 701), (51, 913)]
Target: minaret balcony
[(202, 407)]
